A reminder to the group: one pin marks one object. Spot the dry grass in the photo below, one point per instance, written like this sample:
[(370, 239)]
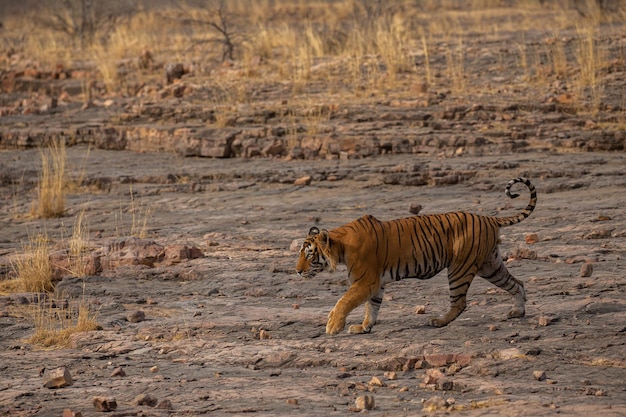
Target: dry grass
[(32, 269), (52, 181), (591, 60), (56, 321)]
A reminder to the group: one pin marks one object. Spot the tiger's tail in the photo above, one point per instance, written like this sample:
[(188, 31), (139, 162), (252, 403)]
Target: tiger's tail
[(511, 220)]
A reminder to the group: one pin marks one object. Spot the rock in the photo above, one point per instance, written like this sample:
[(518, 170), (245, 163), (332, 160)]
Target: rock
[(306, 180), (432, 376), (539, 375), (71, 413), (545, 320), (420, 309), (510, 353), (376, 382), (57, 378), (531, 238), (136, 316), (391, 375), (364, 402), (586, 270), (445, 384), (104, 404), (415, 208), (439, 359), (177, 253), (118, 372), (154, 369), (145, 399), (292, 401), (435, 403)]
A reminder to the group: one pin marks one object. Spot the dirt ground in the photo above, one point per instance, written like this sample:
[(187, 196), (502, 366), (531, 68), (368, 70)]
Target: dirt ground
[(238, 332), (233, 330)]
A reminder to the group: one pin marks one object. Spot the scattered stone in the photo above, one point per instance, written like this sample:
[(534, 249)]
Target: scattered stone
[(57, 378), (586, 270), (264, 334), (292, 401), (432, 376), (154, 369), (376, 382), (364, 402), (531, 238), (118, 372), (539, 375), (415, 208), (510, 353), (306, 180), (71, 413), (104, 404), (435, 403), (545, 320), (391, 375), (445, 384), (493, 327), (420, 309), (136, 316), (145, 399)]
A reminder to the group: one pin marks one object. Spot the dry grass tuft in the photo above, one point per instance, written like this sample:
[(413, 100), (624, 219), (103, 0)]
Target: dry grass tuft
[(55, 325), (32, 269), (51, 192)]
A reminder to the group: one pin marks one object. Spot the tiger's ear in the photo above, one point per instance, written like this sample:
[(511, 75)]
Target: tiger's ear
[(314, 231), (325, 236)]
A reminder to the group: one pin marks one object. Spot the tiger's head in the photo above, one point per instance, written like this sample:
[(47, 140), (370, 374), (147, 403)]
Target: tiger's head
[(316, 254)]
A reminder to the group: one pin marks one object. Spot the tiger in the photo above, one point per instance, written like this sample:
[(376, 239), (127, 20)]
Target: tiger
[(378, 252)]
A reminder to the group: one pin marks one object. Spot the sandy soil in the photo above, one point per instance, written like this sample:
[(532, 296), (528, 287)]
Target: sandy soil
[(237, 331)]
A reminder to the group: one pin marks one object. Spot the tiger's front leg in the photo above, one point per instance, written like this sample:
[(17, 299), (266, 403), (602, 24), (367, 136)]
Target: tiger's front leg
[(354, 297), (371, 314)]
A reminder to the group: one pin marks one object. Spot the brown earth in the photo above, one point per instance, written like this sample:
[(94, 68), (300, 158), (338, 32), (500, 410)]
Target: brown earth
[(228, 328)]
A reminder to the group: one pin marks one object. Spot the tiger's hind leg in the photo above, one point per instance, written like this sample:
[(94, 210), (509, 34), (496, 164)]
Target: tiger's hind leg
[(459, 284), (494, 271), (371, 314)]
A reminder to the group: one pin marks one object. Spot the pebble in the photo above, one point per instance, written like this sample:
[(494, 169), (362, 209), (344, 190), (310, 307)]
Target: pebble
[(545, 320), (118, 372), (292, 401), (420, 309), (306, 180), (435, 403), (136, 316), (104, 404), (586, 270), (392, 376), (376, 382), (539, 375), (145, 399), (415, 208), (531, 238), (154, 369), (57, 378), (364, 402)]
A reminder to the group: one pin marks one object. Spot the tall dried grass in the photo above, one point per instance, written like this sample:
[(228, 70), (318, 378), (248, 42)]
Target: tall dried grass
[(51, 190)]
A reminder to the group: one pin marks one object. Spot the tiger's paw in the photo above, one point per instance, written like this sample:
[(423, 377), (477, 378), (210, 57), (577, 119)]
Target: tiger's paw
[(358, 329), (335, 323), (437, 321), (516, 313)]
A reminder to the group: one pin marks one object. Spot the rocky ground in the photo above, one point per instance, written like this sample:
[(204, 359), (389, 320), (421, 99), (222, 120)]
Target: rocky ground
[(194, 213), (237, 331)]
